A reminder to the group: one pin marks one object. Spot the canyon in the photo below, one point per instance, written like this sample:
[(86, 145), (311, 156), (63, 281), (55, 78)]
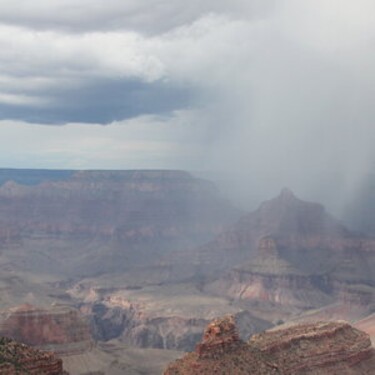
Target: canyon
[(110, 268)]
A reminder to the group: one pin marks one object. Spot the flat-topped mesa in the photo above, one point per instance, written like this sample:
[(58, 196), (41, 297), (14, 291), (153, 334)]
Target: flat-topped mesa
[(220, 336)]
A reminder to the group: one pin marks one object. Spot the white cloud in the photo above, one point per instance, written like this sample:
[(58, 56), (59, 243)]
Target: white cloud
[(34, 53), (143, 16), (22, 100)]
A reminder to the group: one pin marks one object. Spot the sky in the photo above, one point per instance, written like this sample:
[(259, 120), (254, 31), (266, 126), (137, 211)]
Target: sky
[(264, 93)]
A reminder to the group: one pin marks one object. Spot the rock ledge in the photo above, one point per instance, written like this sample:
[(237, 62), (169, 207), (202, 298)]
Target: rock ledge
[(320, 348)]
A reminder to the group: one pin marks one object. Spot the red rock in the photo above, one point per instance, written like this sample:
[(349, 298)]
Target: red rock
[(59, 327), (16, 358), (220, 336), (320, 348)]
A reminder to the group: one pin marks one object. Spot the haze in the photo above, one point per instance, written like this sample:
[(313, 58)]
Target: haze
[(264, 94)]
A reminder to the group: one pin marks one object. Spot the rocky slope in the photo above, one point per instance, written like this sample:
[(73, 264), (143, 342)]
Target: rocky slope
[(367, 325), (18, 358), (320, 348)]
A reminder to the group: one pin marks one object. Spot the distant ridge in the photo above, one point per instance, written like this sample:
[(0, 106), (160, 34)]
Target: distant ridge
[(36, 176), (33, 176)]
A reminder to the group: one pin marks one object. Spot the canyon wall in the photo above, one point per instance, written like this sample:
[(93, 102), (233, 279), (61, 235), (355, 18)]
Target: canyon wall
[(59, 328)]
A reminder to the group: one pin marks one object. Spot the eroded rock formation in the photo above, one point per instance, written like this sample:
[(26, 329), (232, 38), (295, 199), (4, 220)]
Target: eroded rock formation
[(16, 358), (322, 348), (290, 253), (219, 337)]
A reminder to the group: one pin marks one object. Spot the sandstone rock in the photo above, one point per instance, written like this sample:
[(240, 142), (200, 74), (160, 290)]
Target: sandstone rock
[(220, 337), (321, 348), (16, 358)]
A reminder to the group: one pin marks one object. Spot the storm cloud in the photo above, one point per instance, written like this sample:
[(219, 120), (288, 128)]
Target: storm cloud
[(265, 93)]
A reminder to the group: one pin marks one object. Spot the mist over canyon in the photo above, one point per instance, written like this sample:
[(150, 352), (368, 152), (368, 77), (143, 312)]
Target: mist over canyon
[(108, 268)]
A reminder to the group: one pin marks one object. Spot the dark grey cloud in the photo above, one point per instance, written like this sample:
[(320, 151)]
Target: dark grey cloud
[(103, 101)]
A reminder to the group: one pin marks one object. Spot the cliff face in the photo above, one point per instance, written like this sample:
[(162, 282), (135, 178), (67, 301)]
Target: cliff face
[(115, 218), (18, 358), (59, 328), (320, 348)]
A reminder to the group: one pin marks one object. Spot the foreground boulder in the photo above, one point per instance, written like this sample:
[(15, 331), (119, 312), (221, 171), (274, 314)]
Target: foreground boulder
[(316, 348), (20, 359)]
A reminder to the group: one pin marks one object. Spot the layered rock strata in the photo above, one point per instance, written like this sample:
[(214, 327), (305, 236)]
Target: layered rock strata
[(320, 348), (219, 337), (269, 278), (118, 219), (293, 255), (59, 328), (16, 358)]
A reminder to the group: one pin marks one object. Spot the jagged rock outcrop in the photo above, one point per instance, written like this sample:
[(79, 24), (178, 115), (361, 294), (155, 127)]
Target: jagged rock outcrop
[(320, 348), (60, 328), (16, 358), (219, 337)]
